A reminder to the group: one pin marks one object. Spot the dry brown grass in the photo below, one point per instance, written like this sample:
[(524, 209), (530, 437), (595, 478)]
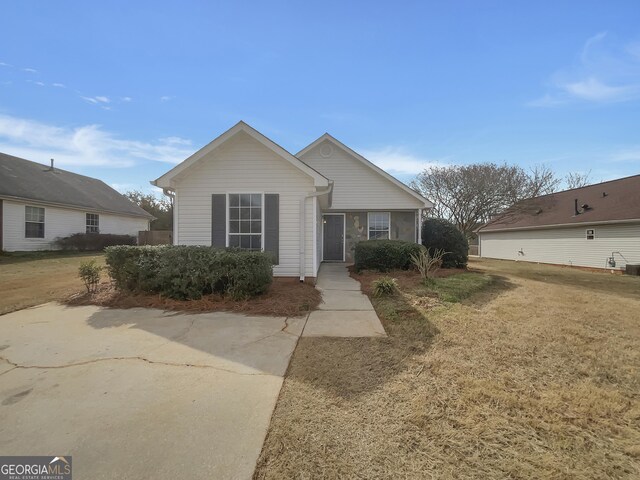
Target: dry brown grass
[(537, 376), (286, 297), (28, 279)]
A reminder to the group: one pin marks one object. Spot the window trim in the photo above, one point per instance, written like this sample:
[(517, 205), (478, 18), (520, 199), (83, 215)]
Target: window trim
[(86, 222), (369, 223), (44, 221), (228, 215), (593, 234)]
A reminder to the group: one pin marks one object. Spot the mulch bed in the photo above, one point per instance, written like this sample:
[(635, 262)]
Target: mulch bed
[(405, 278), (286, 297)]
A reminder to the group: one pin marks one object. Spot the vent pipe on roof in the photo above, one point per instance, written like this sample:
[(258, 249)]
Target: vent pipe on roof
[(577, 212), (51, 168)]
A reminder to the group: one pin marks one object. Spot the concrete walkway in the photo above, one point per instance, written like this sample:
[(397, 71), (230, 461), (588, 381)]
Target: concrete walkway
[(345, 311)]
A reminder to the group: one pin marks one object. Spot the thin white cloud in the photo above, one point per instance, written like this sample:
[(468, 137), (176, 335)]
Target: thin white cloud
[(630, 154), (84, 145), (40, 84), (59, 85), (606, 72), (594, 90), (30, 70), (4, 64), (397, 160), (96, 100), (126, 99), (165, 98)]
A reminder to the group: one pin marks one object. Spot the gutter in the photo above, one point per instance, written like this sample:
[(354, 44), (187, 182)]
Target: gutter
[(558, 225), (303, 216), (82, 208)]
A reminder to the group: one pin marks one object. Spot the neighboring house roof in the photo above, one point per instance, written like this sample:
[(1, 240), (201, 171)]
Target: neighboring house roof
[(26, 180), (357, 156), (165, 180), (606, 202)]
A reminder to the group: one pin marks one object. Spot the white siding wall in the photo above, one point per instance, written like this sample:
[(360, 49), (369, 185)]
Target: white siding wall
[(59, 222), (119, 225), (244, 165), (318, 236), (357, 186), (566, 246)]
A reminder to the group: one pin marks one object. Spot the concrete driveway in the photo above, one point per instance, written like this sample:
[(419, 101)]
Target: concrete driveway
[(141, 393)]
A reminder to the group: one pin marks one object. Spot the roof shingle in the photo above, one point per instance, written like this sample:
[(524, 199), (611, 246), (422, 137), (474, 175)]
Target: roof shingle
[(24, 179), (615, 200)]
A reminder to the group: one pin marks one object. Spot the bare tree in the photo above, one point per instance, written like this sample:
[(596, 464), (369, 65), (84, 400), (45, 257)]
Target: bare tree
[(577, 179), (468, 195)]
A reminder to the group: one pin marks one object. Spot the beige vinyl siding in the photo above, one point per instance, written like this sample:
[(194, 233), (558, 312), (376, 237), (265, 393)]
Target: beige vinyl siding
[(58, 222), (566, 246), (357, 186), (242, 164)]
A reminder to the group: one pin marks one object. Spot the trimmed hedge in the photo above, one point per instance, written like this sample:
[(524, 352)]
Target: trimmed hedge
[(384, 255), (189, 272), (93, 242), (438, 233)]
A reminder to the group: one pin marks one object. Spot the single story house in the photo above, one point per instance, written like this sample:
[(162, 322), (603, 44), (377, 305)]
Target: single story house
[(40, 203), (596, 226), (243, 190)]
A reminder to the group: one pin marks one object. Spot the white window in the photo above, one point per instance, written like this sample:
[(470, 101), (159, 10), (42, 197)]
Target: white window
[(379, 227), (93, 223), (34, 222), (591, 233), (245, 220)]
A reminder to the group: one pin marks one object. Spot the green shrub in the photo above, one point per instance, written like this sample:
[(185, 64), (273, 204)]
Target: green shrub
[(384, 255), (438, 234), (189, 272), (384, 286), (89, 272), (93, 242)]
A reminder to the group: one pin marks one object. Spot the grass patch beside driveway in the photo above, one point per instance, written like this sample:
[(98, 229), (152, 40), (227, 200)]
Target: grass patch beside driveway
[(33, 278), (534, 376)]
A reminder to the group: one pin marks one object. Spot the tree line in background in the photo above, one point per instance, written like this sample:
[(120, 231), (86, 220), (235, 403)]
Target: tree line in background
[(469, 195), (159, 207)]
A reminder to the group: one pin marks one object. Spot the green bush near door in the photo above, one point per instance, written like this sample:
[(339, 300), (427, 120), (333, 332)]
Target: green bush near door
[(384, 255)]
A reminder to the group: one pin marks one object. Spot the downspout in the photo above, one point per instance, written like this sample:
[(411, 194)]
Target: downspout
[(303, 217), (174, 212)]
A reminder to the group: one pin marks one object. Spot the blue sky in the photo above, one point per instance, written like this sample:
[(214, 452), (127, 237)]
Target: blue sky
[(123, 90)]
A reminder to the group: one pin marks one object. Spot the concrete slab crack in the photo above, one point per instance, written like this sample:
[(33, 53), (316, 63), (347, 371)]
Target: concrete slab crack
[(109, 359)]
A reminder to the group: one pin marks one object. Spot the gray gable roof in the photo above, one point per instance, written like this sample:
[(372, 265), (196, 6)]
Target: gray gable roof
[(28, 180)]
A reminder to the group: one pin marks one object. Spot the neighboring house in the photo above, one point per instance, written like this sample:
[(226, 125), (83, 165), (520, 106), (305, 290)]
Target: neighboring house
[(595, 226), (244, 190), (40, 203)]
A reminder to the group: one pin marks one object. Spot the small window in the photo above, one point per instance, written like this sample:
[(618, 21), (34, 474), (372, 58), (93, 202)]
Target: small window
[(379, 225), (93, 223), (245, 221), (34, 222), (591, 234)]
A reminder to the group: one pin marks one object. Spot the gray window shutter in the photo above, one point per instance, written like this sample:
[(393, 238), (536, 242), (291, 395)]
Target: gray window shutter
[(218, 220), (272, 225)]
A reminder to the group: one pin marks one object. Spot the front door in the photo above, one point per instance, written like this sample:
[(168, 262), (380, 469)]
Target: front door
[(333, 238)]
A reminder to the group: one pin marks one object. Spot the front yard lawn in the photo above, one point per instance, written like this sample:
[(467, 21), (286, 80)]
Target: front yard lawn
[(511, 371), (33, 278)]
